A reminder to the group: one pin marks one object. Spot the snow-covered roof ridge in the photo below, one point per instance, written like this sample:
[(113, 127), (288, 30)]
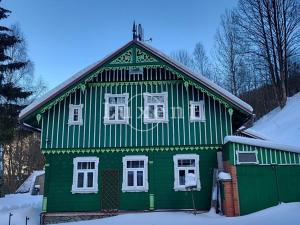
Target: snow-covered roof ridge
[(252, 133), (261, 143), (81, 74)]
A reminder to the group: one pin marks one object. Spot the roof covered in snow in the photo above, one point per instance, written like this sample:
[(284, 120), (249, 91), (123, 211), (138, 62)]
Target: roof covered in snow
[(28, 184), (261, 143), (235, 101), (282, 125)]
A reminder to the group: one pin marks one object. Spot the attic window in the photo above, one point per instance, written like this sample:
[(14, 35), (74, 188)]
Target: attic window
[(197, 112), (75, 114), (136, 71), (247, 157), (116, 109), (155, 107)]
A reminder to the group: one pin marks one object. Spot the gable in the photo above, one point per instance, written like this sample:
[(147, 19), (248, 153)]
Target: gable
[(133, 55)]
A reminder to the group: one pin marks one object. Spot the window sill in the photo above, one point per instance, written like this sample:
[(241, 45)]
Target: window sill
[(75, 123), (184, 189), (134, 189), (85, 191), (115, 122), (155, 121)]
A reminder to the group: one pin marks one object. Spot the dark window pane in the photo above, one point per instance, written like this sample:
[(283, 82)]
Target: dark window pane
[(151, 112), (160, 111), (90, 179), (79, 165), (121, 100), (84, 165), (186, 162), (112, 112), (75, 117), (135, 164), (121, 113), (197, 111), (247, 157), (140, 178), (130, 178), (92, 165), (80, 180), (181, 177), (192, 171), (112, 100)]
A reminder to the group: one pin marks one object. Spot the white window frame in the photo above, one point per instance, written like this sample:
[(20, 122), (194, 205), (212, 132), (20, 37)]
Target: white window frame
[(193, 118), (126, 109), (135, 188), (165, 108), (177, 186), (85, 189), (71, 114), (237, 157)]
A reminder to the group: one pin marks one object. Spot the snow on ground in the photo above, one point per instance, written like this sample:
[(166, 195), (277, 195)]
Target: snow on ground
[(20, 205), (282, 214), (282, 125)]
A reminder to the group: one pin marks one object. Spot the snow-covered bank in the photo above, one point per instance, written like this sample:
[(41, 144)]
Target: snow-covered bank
[(20, 205), (282, 214), (282, 125)]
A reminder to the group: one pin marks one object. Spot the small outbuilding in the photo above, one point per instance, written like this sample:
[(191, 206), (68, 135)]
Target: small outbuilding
[(263, 174), (34, 184)]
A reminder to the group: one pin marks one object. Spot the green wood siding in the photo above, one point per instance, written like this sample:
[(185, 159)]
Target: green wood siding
[(264, 186), (266, 156), (56, 133), (59, 175)]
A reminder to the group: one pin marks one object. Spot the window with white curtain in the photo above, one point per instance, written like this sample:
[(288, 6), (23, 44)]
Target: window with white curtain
[(183, 165)]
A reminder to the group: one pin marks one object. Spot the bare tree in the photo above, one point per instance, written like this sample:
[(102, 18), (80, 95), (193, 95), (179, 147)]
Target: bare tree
[(271, 28), (229, 62), (201, 61), (182, 56)]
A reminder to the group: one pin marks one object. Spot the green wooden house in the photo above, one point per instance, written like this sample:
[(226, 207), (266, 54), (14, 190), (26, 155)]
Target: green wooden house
[(123, 133)]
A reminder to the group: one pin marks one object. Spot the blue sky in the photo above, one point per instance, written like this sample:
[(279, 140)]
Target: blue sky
[(64, 36)]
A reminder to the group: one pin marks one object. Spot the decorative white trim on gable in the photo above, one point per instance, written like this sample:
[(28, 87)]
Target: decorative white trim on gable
[(75, 109), (156, 118), (134, 171), (177, 186), (85, 171)]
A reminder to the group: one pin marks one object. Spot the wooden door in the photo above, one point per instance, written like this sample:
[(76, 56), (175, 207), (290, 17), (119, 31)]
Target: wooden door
[(110, 190)]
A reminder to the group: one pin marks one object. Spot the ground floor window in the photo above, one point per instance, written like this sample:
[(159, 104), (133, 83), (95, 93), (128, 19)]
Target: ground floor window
[(85, 175), (135, 173), (185, 164)]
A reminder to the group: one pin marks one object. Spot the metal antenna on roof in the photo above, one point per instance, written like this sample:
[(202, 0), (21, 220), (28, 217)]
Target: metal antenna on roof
[(134, 35), (138, 32)]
